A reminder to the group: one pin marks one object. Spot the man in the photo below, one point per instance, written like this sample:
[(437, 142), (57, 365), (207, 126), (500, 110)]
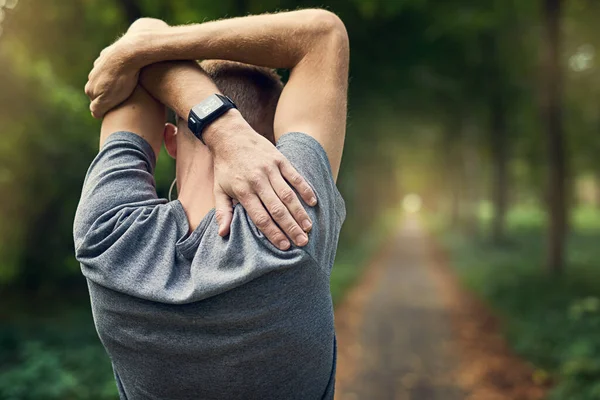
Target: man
[(185, 308)]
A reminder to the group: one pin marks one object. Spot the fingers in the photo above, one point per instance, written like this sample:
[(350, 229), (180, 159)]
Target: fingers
[(264, 223), (97, 107), (281, 214), (224, 211), (298, 182), (88, 90), (290, 200)]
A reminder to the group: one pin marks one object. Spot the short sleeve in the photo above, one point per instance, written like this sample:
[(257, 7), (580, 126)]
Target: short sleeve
[(310, 160), (119, 180), (122, 230)]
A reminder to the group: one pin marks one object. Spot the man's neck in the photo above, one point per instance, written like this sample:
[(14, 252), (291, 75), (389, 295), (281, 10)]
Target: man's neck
[(195, 181)]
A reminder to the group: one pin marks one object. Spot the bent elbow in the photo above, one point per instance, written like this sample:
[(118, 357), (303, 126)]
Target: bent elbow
[(332, 24), (332, 31), (147, 24)]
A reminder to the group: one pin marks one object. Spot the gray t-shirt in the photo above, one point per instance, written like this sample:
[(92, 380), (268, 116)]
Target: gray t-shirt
[(198, 316)]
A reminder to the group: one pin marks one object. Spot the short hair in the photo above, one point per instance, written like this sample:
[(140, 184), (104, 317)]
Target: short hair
[(255, 91)]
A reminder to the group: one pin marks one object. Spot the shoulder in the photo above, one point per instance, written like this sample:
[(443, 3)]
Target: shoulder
[(308, 156), (121, 141), (310, 160), (298, 141)]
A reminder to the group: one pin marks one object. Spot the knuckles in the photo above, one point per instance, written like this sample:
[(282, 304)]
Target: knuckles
[(293, 229), (278, 212), (267, 169), (296, 179), (262, 221), (276, 238), (255, 180), (287, 195), (242, 193), (279, 161)]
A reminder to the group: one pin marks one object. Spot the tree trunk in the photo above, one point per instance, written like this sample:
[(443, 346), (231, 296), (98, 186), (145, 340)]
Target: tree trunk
[(499, 152), (471, 174), (240, 7), (552, 116), (453, 168), (132, 10)]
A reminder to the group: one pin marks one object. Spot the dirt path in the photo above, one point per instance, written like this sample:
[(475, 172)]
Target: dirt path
[(397, 346), (409, 331)]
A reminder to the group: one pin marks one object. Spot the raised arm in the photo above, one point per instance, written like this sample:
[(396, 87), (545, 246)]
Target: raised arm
[(312, 43), (242, 156), (140, 114)]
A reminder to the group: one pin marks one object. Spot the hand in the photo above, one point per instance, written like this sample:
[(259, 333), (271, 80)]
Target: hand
[(249, 169), (114, 76)]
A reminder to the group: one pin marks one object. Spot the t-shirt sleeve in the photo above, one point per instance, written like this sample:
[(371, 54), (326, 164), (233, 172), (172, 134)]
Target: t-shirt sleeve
[(119, 181), (310, 160), (121, 227)]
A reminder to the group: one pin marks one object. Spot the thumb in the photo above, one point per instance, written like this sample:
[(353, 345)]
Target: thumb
[(224, 210)]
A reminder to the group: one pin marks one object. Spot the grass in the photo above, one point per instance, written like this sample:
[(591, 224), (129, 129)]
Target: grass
[(552, 321)]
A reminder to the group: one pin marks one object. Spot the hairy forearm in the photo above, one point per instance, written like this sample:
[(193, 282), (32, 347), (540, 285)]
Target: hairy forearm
[(180, 85), (247, 166), (272, 40), (140, 114)]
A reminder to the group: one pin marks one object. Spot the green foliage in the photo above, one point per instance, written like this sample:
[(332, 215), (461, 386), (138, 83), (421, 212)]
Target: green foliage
[(43, 375), (551, 321), (57, 356), (49, 139), (423, 74)]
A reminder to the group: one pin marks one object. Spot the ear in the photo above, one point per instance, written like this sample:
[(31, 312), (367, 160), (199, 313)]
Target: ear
[(170, 134)]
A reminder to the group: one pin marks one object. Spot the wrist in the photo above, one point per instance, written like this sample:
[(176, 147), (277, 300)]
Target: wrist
[(223, 130), (156, 45)]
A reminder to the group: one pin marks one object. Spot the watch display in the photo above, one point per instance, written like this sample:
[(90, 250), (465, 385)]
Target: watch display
[(202, 114)]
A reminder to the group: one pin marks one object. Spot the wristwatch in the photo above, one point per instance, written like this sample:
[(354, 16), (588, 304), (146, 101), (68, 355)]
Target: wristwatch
[(211, 108)]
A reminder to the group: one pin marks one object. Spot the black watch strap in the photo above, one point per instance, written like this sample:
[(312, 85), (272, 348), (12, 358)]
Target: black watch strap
[(202, 114)]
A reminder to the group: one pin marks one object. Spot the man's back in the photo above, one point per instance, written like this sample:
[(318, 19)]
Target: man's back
[(200, 316), (274, 328)]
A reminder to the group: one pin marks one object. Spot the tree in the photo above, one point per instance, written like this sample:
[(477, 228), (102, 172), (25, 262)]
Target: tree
[(551, 110), (131, 9), (497, 128)]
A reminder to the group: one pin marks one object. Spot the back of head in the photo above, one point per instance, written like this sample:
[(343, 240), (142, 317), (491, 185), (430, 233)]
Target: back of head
[(255, 91)]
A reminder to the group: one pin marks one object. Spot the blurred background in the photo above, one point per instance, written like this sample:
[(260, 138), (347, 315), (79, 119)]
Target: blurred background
[(486, 111)]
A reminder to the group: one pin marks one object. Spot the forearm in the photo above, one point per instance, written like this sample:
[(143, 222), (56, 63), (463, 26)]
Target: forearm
[(272, 40), (247, 166), (180, 85), (140, 114)]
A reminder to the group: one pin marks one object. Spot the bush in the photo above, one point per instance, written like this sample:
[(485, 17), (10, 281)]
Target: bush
[(551, 321), (54, 358)]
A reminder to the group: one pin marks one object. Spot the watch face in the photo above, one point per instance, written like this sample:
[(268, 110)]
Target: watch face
[(208, 106)]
